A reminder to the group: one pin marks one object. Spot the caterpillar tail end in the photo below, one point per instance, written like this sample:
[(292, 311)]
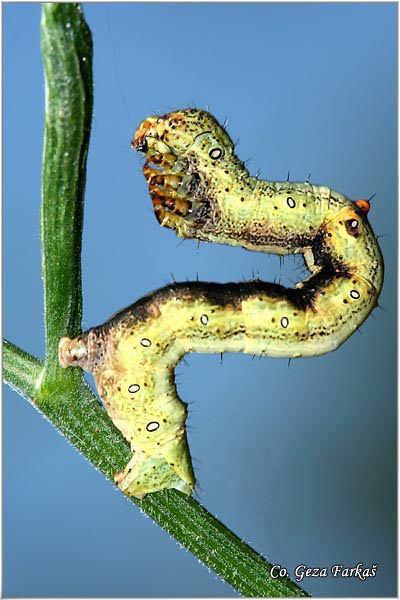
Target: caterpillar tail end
[(71, 353), (64, 352)]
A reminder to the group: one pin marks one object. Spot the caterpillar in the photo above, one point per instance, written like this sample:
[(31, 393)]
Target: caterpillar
[(200, 189)]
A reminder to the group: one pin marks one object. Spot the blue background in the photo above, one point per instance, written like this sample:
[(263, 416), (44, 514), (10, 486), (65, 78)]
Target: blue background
[(299, 462)]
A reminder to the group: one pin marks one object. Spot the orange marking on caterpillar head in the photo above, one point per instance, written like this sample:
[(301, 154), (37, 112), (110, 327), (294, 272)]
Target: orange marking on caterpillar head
[(363, 205), (139, 140)]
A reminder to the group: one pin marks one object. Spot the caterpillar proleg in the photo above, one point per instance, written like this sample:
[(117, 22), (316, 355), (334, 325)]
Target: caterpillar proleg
[(203, 191)]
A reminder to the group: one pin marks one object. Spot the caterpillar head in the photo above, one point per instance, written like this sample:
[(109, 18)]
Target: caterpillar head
[(187, 152), (176, 132)]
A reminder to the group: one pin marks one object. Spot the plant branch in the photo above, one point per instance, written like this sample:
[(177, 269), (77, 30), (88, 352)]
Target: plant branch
[(21, 370), (67, 59)]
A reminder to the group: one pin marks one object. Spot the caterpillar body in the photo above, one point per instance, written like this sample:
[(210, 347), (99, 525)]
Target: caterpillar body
[(200, 189)]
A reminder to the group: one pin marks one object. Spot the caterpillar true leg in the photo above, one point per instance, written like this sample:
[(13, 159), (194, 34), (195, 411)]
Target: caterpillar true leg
[(202, 190)]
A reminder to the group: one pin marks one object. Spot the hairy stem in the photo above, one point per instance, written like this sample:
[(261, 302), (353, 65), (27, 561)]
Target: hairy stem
[(67, 59), (21, 370)]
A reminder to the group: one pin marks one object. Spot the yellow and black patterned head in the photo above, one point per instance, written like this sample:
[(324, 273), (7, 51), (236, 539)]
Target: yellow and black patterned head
[(192, 172), (176, 132)]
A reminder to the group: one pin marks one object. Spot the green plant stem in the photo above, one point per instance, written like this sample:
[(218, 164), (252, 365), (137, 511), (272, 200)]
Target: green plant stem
[(21, 370), (67, 59), (61, 394)]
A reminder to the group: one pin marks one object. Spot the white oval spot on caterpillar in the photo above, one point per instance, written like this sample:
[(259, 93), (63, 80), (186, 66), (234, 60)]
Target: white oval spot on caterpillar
[(215, 153), (284, 322), (152, 426), (204, 319), (291, 202), (354, 294), (145, 342), (133, 388), (354, 224)]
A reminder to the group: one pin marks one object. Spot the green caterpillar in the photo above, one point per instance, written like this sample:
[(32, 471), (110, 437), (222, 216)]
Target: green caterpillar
[(202, 190)]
